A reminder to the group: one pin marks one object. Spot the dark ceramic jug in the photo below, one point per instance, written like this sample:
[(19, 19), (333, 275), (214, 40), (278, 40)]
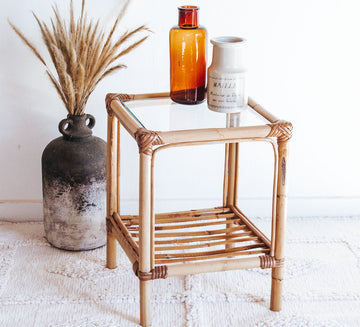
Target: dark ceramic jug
[(74, 186)]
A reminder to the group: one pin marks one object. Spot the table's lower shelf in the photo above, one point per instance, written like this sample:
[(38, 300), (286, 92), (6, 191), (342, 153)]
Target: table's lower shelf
[(202, 240)]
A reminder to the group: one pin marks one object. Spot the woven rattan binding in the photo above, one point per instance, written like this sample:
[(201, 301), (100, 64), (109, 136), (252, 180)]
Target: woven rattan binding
[(146, 140), (267, 261), (115, 96), (157, 273), (282, 130)]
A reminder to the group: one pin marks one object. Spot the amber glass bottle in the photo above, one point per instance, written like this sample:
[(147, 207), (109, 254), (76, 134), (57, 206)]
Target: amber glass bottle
[(188, 58)]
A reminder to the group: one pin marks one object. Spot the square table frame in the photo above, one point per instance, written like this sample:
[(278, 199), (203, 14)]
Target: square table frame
[(141, 252)]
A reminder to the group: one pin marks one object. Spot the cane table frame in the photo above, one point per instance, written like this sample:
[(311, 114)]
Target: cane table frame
[(159, 245)]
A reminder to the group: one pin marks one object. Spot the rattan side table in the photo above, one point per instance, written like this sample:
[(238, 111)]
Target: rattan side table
[(195, 241)]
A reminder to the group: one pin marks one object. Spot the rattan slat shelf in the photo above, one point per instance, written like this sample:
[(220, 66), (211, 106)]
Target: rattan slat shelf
[(242, 237), (195, 241)]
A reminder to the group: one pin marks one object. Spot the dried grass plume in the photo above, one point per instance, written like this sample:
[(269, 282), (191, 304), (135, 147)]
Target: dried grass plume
[(82, 53)]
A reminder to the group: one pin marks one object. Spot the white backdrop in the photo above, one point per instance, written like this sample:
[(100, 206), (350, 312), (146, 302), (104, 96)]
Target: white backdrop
[(304, 66)]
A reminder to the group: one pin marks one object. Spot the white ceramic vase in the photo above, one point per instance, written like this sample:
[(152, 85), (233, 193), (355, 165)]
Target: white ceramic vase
[(227, 87)]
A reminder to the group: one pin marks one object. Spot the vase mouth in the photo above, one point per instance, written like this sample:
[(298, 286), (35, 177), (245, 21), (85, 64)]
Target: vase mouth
[(228, 41), (188, 8), (77, 126), (81, 115)]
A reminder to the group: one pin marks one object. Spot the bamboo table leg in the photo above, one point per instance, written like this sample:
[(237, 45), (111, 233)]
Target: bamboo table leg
[(111, 201), (145, 303), (110, 251), (145, 238), (281, 213), (231, 169)]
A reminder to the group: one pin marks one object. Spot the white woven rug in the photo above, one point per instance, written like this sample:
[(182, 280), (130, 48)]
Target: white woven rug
[(43, 286)]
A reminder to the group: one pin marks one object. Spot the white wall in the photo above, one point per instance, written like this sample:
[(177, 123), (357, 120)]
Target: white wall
[(304, 66)]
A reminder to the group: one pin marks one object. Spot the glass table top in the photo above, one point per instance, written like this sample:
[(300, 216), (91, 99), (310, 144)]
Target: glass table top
[(162, 114)]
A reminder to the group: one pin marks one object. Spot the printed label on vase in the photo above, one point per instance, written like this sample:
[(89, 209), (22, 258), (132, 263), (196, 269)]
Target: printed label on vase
[(227, 93)]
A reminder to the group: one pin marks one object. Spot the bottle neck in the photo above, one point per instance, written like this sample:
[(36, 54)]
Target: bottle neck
[(228, 56), (188, 17)]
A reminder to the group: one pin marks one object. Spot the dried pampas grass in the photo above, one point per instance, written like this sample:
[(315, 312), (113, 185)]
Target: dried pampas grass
[(82, 53)]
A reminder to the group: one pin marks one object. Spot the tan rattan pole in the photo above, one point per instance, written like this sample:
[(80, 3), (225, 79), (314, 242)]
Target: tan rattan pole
[(275, 179), (188, 213), (111, 165), (251, 226), (131, 220), (126, 234), (281, 213), (236, 184), (204, 238), (261, 111), (194, 213), (149, 95), (126, 119), (111, 189), (118, 167), (152, 226), (198, 233), (213, 266), (127, 247), (216, 217), (145, 303), (171, 226), (214, 256), (145, 237), (207, 244), (208, 253), (232, 176), (214, 134), (226, 174), (116, 105), (145, 212), (233, 120)]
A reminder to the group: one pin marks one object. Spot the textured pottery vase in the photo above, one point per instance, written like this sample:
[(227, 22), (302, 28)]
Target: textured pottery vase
[(74, 186)]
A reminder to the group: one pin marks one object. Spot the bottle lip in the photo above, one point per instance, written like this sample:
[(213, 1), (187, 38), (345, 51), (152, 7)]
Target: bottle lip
[(188, 17), (228, 41), (188, 8)]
